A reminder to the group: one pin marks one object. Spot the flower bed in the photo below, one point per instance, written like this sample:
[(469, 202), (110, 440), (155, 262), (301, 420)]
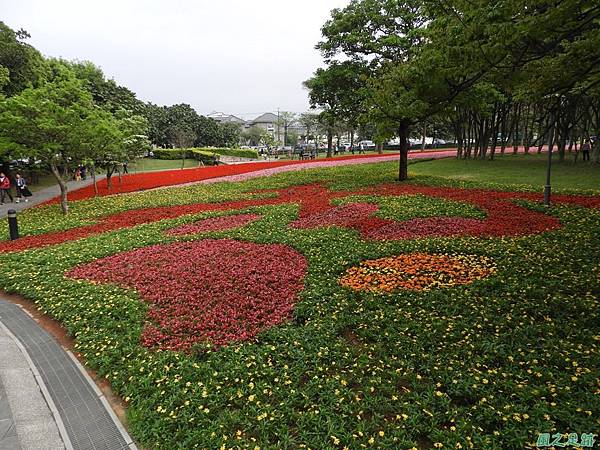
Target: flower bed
[(486, 364), (215, 224), (142, 181), (504, 217), (417, 271), (210, 291)]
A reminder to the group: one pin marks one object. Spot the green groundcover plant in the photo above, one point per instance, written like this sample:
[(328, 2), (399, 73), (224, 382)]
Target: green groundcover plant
[(486, 365)]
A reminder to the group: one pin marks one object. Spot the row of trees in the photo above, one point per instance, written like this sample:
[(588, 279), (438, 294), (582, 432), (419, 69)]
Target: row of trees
[(517, 72), (63, 114)]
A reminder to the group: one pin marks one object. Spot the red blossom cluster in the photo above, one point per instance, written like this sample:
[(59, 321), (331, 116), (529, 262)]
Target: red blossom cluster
[(504, 217), (150, 180), (349, 216), (209, 291), (432, 226), (215, 224)]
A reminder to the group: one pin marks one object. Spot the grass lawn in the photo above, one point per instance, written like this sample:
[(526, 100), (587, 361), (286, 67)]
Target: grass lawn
[(151, 164), (517, 170), (328, 309)]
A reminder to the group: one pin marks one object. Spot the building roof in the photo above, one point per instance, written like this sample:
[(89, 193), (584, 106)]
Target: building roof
[(265, 118), (222, 117)]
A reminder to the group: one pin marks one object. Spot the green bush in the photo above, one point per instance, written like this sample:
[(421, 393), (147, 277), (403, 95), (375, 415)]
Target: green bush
[(235, 152), (203, 153), (167, 153)]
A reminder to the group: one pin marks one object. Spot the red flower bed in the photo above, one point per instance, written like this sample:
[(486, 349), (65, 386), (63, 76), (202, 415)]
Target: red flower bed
[(150, 180), (432, 226), (209, 291), (350, 216), (215, 224), (504, 217)]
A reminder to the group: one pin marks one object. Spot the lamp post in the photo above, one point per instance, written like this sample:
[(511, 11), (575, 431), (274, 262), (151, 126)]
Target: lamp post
[(548, 187)]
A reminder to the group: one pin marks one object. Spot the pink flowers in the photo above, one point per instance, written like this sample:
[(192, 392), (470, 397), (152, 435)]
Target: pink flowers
[(209, 291), (215, 224)]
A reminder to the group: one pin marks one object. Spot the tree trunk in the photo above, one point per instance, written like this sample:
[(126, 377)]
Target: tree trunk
[(524, 138), (423, 138), (63, 188), (515, 130), (329, 141), (183, 155), (596, 146), (403, 131), (109, 172)]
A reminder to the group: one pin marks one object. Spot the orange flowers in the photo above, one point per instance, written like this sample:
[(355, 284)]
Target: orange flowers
[(417, 271)]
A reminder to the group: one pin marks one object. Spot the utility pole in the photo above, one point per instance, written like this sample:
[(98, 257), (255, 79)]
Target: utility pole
[(278, 124)]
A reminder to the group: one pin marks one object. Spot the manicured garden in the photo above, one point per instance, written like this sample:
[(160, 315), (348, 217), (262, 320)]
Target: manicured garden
[(329, 309)]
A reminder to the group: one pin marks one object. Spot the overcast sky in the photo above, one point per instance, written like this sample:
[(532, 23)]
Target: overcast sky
[(235, 56)]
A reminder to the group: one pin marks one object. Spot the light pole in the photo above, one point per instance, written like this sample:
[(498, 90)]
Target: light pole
[(547, 187)]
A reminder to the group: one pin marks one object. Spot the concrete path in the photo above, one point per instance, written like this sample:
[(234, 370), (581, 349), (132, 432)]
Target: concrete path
[(47, 400), (42, 196)]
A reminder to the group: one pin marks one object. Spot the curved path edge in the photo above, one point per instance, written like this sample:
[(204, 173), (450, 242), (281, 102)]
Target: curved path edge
[(82, 414)]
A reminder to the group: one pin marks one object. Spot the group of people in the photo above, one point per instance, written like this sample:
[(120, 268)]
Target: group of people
[(23, 191)]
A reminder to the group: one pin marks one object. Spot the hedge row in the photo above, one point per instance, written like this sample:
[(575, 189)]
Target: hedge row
[(203, 153)]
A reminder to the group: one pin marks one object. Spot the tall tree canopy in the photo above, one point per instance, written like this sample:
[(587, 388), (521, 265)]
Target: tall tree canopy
[(25, 65)]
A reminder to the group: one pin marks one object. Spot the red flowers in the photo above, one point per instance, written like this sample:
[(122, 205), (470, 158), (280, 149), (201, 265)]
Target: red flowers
[(349, 216), (215, 224), (504, 217), (143, 181), (209, 291)]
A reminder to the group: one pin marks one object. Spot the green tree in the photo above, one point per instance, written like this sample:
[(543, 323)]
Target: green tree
[(26, 66), (106, 93), (339, 91), (230, 134), (48, 123)]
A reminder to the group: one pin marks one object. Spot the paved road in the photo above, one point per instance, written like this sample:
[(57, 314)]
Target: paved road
[(42, 196), (47, 400)]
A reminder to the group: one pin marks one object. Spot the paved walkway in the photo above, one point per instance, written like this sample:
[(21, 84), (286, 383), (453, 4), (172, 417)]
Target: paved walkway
[(328, 163), (41, 196), (47, 400)]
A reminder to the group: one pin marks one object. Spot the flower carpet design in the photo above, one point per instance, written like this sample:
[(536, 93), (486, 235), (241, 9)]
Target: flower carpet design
[(417, 271), (215, 224), (504, 217), (354, 314), (209, 291)]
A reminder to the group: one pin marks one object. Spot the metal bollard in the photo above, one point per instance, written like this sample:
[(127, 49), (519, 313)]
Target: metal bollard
[(13, 227)]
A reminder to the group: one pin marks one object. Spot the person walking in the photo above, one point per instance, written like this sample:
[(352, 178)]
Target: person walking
[(23, 191), (586, 150), (5, 188)]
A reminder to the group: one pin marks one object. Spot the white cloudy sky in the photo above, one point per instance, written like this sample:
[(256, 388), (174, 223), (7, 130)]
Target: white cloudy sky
[(237, 56)]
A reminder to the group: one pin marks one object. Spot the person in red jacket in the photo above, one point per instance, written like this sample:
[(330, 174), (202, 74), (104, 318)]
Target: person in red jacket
[(5, 189)]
